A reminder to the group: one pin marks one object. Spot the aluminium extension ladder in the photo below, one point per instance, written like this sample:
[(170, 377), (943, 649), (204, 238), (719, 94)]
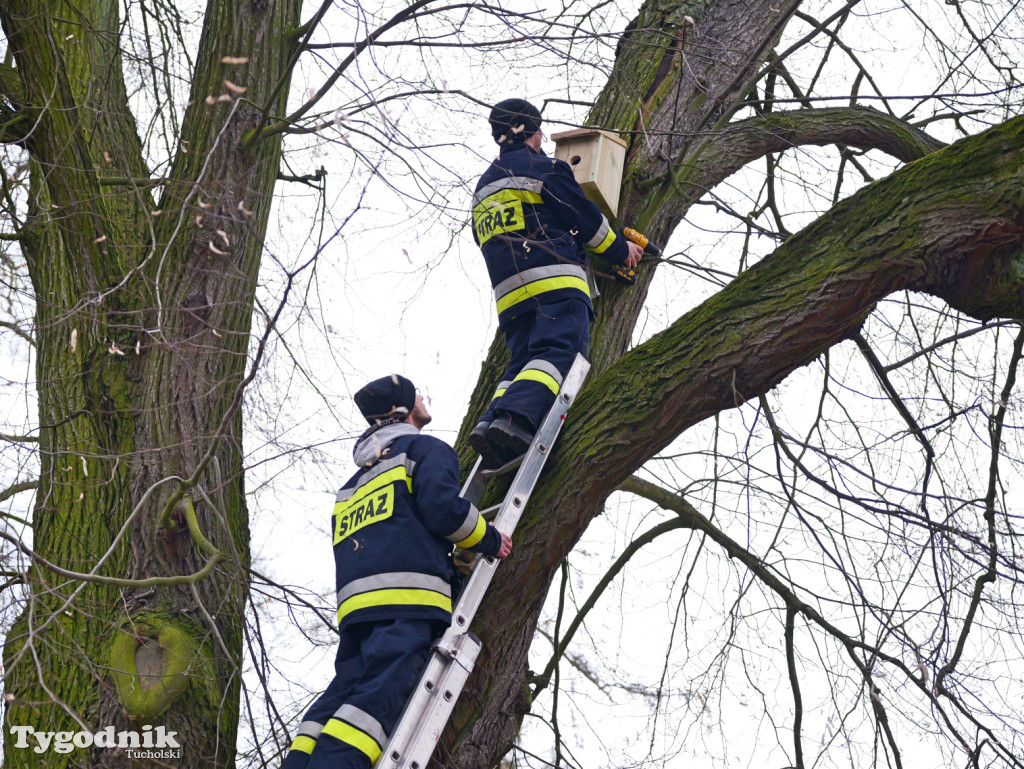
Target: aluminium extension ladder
[(427, 711)]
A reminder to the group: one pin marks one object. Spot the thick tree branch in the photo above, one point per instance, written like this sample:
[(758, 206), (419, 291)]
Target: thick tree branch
[(745, 141), (951, 224), (923, 228)]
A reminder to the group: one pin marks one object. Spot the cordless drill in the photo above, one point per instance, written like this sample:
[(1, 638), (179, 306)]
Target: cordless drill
[(624, 274)]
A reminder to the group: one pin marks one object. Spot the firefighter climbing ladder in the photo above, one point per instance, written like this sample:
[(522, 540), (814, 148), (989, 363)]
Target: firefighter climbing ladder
[(431, 703)]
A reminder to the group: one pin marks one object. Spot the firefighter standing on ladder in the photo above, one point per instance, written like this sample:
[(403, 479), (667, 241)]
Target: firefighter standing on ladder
[(535, 226), (394, 525)]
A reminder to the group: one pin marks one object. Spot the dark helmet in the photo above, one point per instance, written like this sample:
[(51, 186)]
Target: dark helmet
[(388, 397), (514, 120)]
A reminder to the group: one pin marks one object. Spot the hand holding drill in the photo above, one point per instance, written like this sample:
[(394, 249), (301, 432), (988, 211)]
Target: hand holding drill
[(638, 246)]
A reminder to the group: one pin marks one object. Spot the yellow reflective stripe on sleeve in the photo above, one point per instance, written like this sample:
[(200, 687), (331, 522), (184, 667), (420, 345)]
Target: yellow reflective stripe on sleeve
[(498, 393), (603, 246), (352, 736), (539, 376), (303, 744), (540, 287), (476, 536), (394, 597)]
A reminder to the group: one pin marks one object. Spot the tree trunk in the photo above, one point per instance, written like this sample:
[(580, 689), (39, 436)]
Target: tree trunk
[(143, 325), (949, 224)]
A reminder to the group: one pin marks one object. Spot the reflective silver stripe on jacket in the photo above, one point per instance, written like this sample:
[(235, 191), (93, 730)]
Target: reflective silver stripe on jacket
[(508, 183), (364, 722), (309, 729), (520, 279), (378, 469), (601, 234), (468, 526), (395, 579)]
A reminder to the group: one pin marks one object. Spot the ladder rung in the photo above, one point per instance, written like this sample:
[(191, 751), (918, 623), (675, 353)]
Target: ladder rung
[(508, 467), (490, 513)]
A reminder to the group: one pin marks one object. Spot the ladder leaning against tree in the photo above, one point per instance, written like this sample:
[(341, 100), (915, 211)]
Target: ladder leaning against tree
[(427, 711)]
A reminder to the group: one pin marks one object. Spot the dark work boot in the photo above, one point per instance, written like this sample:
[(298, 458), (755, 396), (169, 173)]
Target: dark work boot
[(511, 434), (490, 454)]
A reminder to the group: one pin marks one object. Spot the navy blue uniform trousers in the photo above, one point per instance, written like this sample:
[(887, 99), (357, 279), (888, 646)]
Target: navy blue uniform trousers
[(542, 342), (377, 666)]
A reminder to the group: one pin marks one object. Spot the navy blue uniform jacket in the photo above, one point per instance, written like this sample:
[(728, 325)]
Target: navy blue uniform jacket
[(394, 525), (533, 222)]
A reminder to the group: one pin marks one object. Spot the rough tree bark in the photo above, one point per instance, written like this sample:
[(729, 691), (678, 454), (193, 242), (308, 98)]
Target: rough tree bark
[(144, 308), (949, 224)]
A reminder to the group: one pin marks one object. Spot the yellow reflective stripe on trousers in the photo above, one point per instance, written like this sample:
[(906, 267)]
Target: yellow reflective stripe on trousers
[(394, 597), (540, 287), (476, 536), (352, 736), (539, 376), (303, 744), (601, 247), (502, 386)]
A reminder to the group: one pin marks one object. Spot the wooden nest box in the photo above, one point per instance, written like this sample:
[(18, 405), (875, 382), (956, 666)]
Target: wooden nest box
[(597, 159)]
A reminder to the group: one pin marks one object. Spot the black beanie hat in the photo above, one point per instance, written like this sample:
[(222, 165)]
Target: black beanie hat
[(388, 397), (514, 120)]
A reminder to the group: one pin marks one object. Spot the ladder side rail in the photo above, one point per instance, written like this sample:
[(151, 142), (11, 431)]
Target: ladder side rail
[(427, 710), (418, 703), (476, 483), (519, 492), (431, 702), (446, 693)]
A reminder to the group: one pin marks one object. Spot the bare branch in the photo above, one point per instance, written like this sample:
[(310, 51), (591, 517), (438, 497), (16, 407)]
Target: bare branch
[(988, 576), (17, 488), (20, 332)]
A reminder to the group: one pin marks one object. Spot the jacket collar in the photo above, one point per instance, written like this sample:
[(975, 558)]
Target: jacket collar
[(516, 147), (372, 446)]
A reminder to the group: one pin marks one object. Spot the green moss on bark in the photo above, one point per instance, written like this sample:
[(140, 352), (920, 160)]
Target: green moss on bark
[(173, 663)]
